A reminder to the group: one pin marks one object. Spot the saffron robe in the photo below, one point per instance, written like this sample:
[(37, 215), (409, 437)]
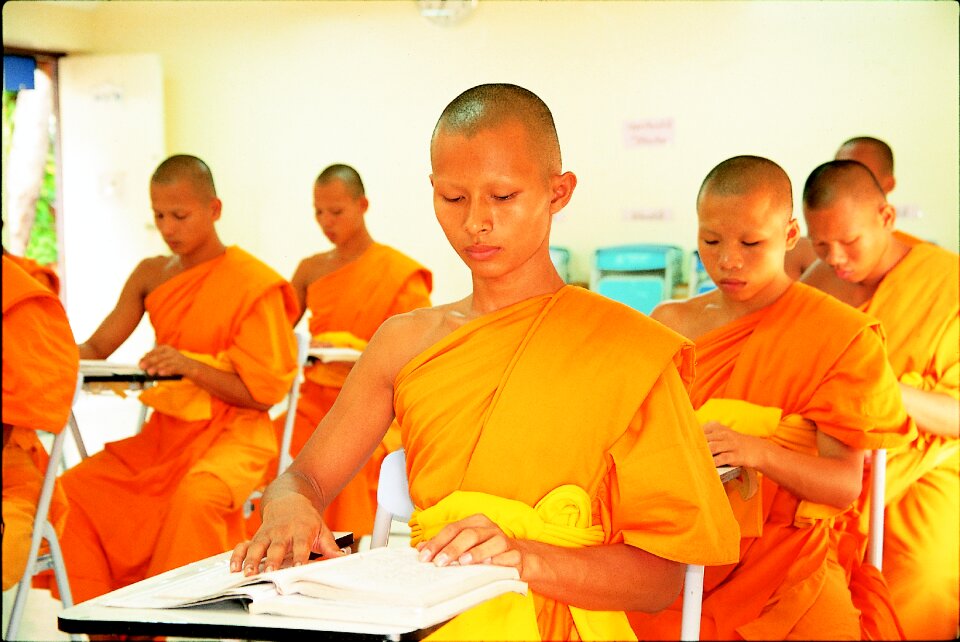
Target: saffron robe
[(917, 303), (823, 362), (40, 363), (567, 389), (45, 274), (174, 493), (355, 299)]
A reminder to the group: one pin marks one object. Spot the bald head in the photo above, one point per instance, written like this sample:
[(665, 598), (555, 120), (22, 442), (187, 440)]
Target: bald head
[(875, 154), (748, 175), (487, 106), (184, 167), (840, 179), (344, 173)]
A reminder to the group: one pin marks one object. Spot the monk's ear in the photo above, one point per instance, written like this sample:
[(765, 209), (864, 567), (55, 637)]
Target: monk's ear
[(793, 233), (562, 187), (363, 204), (888, 183), (888, 216), (216, 206)]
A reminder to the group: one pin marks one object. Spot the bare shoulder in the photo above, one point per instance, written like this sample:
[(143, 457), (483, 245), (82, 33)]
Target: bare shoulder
[(151, 272), (403, 336), (682, 315)]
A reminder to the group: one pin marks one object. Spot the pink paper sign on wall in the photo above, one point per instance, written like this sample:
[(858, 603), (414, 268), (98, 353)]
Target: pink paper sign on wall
[(648, 132)]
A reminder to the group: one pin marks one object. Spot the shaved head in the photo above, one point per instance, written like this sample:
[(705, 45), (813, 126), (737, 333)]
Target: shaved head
[(487, 106), (841, 179), (745, 175), (344, 173), (184, 167), (872, 152)]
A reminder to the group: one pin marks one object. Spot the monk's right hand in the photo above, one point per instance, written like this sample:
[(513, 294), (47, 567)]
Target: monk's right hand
[(291, 529)]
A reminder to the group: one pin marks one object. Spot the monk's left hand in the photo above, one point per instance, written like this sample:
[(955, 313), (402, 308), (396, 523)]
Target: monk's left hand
[(166, 360), (731, 448), (472, 540)]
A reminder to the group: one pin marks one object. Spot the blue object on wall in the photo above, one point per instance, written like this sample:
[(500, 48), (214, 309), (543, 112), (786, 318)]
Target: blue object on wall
[(18, 72)]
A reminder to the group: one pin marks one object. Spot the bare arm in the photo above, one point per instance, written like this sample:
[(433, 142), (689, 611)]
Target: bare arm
[(123, 320), (228, 386), (833, 477), (611, 577), (301, 279), (934, 412), (293, 504)]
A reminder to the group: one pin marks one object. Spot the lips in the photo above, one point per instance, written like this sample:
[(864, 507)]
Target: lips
[(731, 284), (482, 252)]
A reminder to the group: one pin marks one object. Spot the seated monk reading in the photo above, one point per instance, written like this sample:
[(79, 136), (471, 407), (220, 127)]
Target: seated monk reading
[(793, 387), (174, 493), (40, 362), (515, 414), (349, 291), (912, 288)]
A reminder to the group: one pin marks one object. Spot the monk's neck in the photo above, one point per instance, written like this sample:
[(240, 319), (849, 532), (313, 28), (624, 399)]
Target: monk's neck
[(207, 252), (490, 295), (892, 256), (766, 297), (352, 248)]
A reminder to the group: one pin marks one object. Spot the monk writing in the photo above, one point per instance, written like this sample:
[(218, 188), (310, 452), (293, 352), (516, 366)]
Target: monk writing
[(513, 409), (40, 362), (791, 386), (349, 290), (173, 494), (912, 288)]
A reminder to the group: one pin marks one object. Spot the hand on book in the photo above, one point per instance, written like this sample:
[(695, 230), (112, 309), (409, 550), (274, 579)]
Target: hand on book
[(292, 528), (472, 540)]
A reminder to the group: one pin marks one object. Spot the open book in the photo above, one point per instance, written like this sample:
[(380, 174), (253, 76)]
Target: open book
[(388, 586)]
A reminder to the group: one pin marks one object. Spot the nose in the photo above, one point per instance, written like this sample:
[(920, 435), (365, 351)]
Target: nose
[(835, 256), (730, 259), (478, 219)]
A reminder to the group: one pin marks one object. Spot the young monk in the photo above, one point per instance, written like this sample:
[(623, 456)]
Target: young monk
[(912, 288), (173, 494), (40, 363), (790, 385), (349, 290), (877, 156), (513, 409)]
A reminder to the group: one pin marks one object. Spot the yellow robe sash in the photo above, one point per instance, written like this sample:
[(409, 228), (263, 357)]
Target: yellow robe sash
[(561, 518), (183, 398)]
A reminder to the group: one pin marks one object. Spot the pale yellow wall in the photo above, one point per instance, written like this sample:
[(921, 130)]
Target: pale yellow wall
[(271, 92)]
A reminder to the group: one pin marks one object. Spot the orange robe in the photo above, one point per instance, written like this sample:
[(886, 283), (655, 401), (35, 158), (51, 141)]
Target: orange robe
[(814, 358), (917, 302), (568, 389), (43, 273), (174, 493), (40, 362), (356, 299)]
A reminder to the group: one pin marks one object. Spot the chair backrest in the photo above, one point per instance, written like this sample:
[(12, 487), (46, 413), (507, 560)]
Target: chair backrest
[(393, 497), (43, 530), (639, 260), (293, 398), (641, 292)]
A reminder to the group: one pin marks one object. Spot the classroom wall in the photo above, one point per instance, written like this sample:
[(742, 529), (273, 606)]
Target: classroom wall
[(648, 96)]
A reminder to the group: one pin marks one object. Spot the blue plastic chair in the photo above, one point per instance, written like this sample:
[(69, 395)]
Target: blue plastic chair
[(640, 275)]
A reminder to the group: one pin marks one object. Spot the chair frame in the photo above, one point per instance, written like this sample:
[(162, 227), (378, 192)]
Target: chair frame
[(43, 530)]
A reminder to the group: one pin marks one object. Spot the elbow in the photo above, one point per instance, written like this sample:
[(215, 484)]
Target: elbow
[(846, 493), (664, 591)]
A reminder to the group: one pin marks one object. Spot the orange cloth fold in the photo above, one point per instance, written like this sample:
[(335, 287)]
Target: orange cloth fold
[(532, 397), (918, 302), (176, 490), (40, 365), (789, 581), (45, 274), (352, 302)]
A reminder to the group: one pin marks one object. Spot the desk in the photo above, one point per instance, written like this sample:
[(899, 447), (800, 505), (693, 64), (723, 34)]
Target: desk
[(99, 375)]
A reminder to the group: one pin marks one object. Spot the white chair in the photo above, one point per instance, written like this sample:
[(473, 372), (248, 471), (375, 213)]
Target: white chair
[(393, 503), (293, 398), (43, 530)]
